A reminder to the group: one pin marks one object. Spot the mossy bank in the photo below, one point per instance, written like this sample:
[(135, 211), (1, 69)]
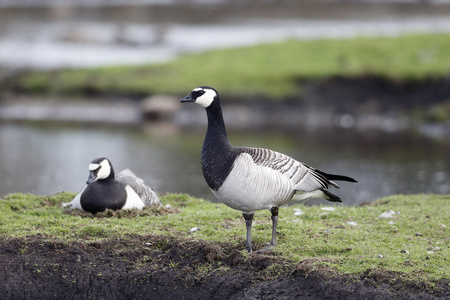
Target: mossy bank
[(338, 252), (277, 70)]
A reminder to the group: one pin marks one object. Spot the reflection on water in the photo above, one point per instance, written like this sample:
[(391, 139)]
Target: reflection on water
[(49, 159)]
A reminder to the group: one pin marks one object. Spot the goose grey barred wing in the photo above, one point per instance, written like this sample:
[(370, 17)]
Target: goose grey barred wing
[(146, 193), (304, 177)]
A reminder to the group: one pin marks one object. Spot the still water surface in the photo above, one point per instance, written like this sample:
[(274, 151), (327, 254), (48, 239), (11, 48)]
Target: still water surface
[(46, 159)]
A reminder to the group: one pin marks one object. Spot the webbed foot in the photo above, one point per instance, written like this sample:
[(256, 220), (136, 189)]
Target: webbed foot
[(267, 247)]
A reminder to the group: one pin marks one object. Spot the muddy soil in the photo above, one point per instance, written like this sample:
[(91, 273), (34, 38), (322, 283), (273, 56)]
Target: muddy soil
[(157, 267)]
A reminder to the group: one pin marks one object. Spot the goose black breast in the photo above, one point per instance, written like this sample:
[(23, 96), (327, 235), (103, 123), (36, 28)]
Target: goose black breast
[(217, 163), (103, 194)]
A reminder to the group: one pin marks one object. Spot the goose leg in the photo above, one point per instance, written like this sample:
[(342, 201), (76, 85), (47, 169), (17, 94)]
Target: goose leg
[(248, 224), (274, 211), (273, 241)]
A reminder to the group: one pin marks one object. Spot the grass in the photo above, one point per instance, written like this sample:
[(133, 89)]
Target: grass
[(274, 70), (415, 242)]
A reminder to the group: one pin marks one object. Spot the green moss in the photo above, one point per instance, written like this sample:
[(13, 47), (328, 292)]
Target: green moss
[(415, 242), (438, 113), (273, 70)]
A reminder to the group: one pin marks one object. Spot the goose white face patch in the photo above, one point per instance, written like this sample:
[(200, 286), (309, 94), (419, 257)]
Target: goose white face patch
[(104, 169), (93, 167), (207, 98)]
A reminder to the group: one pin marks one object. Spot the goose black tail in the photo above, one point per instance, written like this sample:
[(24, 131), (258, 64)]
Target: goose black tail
[(331, 197), (336, 177)]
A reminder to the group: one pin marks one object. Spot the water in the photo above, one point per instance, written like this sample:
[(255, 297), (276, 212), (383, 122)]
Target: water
[(46, 159)]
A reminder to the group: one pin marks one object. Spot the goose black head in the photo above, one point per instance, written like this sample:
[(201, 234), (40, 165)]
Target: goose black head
[(99, 169), (203, 95)]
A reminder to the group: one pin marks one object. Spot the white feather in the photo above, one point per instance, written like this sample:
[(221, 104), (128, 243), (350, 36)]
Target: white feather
[(250, 187), (299, 196), (75, 203), (207, 98), (93, 167), (105, 170), (133, 200)]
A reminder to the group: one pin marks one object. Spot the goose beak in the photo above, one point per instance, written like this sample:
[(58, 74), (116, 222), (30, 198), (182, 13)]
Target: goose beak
[(92, 177), (188, 98)]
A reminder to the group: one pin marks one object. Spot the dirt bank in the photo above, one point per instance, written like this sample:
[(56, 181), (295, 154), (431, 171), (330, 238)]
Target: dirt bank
[(156, 267)]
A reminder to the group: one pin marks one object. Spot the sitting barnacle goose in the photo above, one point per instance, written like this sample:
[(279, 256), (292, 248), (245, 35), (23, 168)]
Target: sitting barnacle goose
[(104, 190), (251, 179)]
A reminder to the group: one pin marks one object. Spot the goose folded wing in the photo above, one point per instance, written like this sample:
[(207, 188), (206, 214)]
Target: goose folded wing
[(304, 177), (127, 177), (146, 193)]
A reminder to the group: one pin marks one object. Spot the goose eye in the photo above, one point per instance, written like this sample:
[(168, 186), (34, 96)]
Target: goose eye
[(198, 93)]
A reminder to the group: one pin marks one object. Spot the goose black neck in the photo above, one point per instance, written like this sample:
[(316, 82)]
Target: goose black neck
[(111, 173), (217, 153), (216, 132)]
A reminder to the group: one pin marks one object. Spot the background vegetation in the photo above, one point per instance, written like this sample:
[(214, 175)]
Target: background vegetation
[(272, 70)]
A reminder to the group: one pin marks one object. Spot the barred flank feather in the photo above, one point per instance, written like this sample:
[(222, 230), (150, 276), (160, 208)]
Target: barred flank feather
[(304, 178)]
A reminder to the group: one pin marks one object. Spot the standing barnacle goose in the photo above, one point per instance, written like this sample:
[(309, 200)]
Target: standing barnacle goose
[(251, 179), (104, 190)]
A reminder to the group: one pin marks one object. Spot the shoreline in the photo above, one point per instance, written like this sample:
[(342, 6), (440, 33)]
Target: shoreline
[(364, 103)]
